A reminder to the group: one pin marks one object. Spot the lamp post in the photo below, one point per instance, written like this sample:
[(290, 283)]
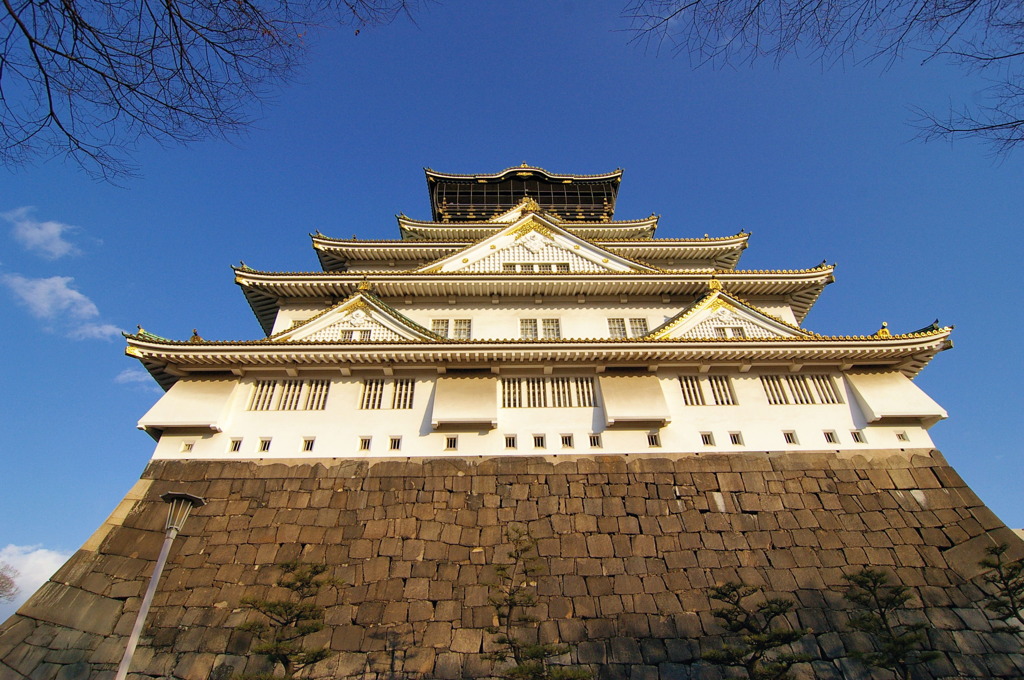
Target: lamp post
[(180, 504)]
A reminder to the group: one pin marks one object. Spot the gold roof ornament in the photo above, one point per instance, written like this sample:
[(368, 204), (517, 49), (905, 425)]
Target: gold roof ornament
[(714, 284), (195, 336), (365, 285), (883, 332), (530, 205)]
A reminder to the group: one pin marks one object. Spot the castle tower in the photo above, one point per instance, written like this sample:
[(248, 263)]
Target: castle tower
[(657, 417)]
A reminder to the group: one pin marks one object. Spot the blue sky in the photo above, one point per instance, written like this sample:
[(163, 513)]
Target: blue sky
[(818, 164)]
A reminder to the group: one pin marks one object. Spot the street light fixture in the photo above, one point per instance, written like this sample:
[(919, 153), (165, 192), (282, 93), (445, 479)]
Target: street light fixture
[(180, 504)]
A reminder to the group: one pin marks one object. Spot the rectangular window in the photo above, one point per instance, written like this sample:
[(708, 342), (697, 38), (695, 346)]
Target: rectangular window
[(552, 328), (348, 336), (316, 395), (730, 332), (561, 266), (790, 437), (290, 391), (902, 436), (566, 441), (536, 394), (402, 398), (831, 437), (451, 443), (595, 441), (236, 446), (721, 389), (638, 327), (826, 389), (307, 444), (510, 441), (736, 438), (262, 395), (364, 336), (799, 389), (584, 392), (396, 444), (773, 389), (440, 326), (364, 443), (373, 394), (707, 439), (264, 445), (617, 328), (186, 447), (692, 393), (511, 392), (653, 439), (538, 441), (528, 329), (858, 436), (462, 329), (568, 392)]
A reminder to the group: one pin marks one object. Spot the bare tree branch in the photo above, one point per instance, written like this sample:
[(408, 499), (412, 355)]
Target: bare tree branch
[(984, 35)]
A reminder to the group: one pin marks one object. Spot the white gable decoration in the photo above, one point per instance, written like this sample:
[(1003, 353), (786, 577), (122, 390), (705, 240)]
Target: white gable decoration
[(355, 320), (717, 316)]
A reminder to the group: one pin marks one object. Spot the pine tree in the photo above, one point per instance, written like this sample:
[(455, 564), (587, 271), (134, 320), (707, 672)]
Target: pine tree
[(898, 646), (758, 637), (288, 621), (1005, 600), (511, 597)]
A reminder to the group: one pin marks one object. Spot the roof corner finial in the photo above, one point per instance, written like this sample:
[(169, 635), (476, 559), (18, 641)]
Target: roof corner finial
[(365, 286), (714, 283), (524, 164), (195, 336), (529, 204), (141, 329), (883, 332)]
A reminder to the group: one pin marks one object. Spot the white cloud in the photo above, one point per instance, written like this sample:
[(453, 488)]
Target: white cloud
[(95, 331), (45, 238), (133, 375), (47, 297), (35, 564)]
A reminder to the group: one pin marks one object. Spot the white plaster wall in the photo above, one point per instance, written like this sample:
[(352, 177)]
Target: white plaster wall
[(338, 428)]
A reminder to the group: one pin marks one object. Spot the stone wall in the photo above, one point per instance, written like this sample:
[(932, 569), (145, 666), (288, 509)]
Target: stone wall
[(628, 547)]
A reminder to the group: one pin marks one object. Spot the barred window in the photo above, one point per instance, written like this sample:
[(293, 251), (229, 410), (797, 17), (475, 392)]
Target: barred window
[(799, 389), (858, 436), (402, 397), (730, 332), (653, 439), (816, 388), (568, 392), (790, 437), (462, 329), (773, 389), (236, 445), (510, 441), (316, 395), (595, 441), (692, 393), (373, 394), (721, 389), (826, 390), (831, 437), (736, 438), (638, 327), (262, 395), (307, 444), (364, 443), (290, 392)]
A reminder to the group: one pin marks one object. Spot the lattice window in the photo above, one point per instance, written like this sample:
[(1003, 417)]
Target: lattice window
[(730, 332), (263, 395), (316, 395), (518, 258), (826, 389), (773, 389), (291, 390), (402, 397), (440, 326), (692, 393), (721, 390), (373, 394), (551, 328), (799, 389), (528, 329), (617, 328), (638, 327), (462, 329)]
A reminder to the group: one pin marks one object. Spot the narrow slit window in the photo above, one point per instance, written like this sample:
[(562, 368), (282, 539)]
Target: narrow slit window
[(858, 436), (566, 441), (653, 439), (736, 438), (451, 443), (364, 443), (307, 444), (539, 441), (790, 437), (707, 439), (831, 437), (235, 446), (396, 444), (595, 441), (902, 436), (264, 445), (186, 447), (510, 441)]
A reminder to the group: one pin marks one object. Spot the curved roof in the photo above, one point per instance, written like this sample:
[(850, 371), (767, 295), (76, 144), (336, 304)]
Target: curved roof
[(615, 174)]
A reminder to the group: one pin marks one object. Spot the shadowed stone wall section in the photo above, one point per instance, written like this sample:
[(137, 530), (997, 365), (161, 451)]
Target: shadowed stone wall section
[(628, 548)]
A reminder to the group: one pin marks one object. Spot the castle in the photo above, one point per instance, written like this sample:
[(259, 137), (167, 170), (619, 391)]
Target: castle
[(656, 417)]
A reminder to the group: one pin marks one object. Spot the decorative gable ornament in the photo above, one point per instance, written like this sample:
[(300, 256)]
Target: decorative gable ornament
[(360, 318), (720, 316)]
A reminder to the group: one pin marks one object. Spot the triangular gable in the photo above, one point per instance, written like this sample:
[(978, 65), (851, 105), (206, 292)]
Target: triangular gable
[(362, 317), (718, 315), (534, 243)]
